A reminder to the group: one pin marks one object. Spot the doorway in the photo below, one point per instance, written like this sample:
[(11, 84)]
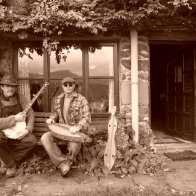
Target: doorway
[(172, 84)]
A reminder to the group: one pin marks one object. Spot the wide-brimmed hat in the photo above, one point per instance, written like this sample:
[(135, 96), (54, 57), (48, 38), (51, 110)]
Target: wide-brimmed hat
[(69, 80), (9, 79)]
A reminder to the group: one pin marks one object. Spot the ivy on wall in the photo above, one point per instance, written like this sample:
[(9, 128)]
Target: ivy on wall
[(51, 19)]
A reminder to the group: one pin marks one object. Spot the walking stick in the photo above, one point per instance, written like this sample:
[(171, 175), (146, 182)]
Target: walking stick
[(110, 150)]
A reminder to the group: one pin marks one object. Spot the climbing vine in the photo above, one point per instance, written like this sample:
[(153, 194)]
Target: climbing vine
[(52, 19)]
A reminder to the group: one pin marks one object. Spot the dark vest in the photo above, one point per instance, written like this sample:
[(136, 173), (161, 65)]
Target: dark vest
[(10, 107)]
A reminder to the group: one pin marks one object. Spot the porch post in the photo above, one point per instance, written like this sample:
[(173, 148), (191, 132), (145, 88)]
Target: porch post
[(134, 84)]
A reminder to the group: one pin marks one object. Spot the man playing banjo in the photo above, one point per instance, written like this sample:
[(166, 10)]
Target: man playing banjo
[(13, 148), (72, 109)]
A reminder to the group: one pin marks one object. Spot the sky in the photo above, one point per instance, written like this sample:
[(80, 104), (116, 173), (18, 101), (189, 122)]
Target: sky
[(99, 62)]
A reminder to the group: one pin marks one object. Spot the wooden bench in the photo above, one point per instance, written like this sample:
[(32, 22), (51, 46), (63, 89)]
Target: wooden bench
[(40, 126)]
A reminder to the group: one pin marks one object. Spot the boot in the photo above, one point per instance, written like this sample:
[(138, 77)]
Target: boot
[(11, 172), (65, 167)]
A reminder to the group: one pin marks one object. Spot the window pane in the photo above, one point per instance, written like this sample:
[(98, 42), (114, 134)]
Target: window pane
[(101, 95), (30, 63), (101, 62), (30, 88), (70, 64)]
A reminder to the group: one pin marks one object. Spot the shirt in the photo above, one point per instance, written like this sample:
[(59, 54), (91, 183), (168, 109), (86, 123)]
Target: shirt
[(78, 113)]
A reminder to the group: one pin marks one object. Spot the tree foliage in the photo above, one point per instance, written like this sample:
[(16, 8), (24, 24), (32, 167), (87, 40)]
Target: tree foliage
[(56, 18)]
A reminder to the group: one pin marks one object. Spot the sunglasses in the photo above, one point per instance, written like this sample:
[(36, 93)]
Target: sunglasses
[(68, 84), (10, 86)]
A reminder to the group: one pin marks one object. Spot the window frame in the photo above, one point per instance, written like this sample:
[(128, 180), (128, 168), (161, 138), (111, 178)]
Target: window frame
[(85, 72)]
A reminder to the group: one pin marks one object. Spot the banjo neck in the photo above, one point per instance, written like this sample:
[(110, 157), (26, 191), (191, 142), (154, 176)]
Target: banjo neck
[(28, 106)]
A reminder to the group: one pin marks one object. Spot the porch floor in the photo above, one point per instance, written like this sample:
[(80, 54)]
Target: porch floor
[(166, 143)]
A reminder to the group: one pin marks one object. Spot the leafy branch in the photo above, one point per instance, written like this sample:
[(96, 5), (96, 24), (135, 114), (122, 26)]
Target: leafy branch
[(52, 19)]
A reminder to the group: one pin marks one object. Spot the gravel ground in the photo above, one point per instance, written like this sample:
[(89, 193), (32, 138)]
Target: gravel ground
[(179, 178)]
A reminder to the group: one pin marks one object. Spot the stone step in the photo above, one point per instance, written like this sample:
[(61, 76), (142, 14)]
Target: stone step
[(175, 147)]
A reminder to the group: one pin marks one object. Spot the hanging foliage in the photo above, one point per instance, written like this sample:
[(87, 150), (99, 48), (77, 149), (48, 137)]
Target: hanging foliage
[(63, 17), (52, 19)]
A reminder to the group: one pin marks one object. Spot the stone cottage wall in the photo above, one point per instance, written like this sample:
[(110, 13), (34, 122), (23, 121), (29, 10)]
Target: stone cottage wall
[(6, 57), (144, 78), (125, 78)]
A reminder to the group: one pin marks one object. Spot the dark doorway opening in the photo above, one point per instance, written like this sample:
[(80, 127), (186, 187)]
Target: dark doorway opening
[(172, 86), (158, 81)]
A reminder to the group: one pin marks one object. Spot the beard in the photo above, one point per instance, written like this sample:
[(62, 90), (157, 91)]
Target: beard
[(9, 94)]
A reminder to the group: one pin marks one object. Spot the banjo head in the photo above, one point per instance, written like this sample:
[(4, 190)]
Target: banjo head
[(62, 132)]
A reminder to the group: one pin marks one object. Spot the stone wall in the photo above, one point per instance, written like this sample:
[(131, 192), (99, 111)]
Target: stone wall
[(125, 78), (6, 57), (143, 72)]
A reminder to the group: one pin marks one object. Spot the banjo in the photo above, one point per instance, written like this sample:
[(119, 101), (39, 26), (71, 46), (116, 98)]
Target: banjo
[(19, 130), (61, 131)]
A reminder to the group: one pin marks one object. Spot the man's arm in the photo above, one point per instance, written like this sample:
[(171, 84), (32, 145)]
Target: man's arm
[(7, 122), (30, 120), (85, 115), (55, 109), (10, 121), (85, 118)]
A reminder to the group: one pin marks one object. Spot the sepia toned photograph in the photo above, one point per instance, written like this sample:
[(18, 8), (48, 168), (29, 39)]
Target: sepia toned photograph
[(97, 97)]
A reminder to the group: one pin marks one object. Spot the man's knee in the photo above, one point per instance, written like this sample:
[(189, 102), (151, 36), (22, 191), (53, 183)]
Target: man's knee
[(45, 137), (33, 140), (29, 140)]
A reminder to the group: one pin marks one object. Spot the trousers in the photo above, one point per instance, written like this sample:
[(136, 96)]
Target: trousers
[(13, 151), (49, 142)]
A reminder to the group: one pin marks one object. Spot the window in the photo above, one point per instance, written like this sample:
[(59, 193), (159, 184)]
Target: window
[(30, 73), (96, 74)]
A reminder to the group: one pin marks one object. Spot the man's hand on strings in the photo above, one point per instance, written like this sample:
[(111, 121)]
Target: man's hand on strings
[(49, 121), (20, 117), (74, 129)]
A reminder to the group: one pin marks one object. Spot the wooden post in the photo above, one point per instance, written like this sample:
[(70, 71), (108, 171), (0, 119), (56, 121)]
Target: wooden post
[(134, 84)]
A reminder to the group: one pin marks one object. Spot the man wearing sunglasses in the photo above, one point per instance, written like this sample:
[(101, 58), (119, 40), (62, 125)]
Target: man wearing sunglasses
[(70, 108)]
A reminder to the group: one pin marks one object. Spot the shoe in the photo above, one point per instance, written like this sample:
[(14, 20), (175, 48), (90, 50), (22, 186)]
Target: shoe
[(3, 170), (65, 167), (11, 172)]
